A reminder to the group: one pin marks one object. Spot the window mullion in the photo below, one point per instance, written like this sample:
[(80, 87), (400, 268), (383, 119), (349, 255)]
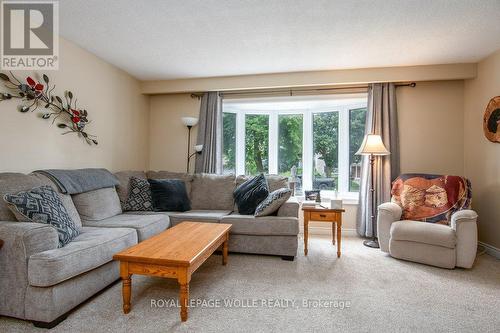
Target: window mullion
[(240, 143), (307, 151), (273, 143), (343, 151)]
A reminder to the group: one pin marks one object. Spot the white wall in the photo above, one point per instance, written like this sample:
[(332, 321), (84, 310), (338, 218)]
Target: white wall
[(482, 157), (119, 116)]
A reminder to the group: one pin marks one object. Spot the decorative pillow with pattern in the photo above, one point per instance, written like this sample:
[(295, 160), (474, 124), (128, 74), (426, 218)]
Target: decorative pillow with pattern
[(139, 195), (431, 198), (43, 205), (273, 202)]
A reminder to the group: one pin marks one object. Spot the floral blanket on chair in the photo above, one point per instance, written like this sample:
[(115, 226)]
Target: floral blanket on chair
[(431, 198)]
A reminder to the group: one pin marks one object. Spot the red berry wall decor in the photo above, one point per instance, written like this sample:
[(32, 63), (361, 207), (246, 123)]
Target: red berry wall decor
[(35, 94)]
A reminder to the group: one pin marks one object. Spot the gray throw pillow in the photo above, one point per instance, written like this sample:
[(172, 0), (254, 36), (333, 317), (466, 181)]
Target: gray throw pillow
[(139, 195), (43, 205), (250, 194), (273, 202)]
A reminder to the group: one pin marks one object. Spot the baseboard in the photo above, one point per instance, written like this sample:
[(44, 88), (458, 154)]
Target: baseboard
[(318, 230), (491, 250)]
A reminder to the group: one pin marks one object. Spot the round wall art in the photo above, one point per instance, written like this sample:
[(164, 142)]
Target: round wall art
[(491, 120)]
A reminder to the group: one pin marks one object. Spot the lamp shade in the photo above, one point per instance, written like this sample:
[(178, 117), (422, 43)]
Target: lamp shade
[(198, 148), (189, 121), (372, 144)]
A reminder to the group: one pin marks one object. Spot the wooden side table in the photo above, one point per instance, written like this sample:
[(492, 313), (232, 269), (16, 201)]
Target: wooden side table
[(321, 214)]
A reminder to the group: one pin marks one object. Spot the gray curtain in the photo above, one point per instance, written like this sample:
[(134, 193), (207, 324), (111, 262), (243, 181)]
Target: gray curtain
[(210, 134), (381, 119)]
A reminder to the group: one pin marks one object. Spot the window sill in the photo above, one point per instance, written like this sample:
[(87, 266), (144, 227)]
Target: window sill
[(348, 200)]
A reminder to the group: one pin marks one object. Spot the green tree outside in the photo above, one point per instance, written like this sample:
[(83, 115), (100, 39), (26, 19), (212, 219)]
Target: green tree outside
[(256, 144)]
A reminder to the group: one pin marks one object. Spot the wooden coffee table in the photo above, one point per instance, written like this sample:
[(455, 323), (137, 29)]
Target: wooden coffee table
[(175, 253)]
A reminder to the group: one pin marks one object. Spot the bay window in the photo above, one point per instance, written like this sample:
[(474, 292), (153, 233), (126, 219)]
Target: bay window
[(311, 138)]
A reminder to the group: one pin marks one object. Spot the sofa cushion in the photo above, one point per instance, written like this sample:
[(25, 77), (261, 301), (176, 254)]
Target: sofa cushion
[(92, 248), (274, 182), (145, 225), (211, 191), (43, 205), (186, 177), (139, 195), (421, 232), (213, 216), (264, 226), (124, 178), (98, 204), (250, 194), (273, 202), (17, 182), (169, 195)]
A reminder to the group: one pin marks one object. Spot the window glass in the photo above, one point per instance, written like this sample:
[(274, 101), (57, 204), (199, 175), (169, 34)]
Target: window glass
[(357, 119), (229, 143), (290, 132), (256, 144), (325, 150), (298, 138)]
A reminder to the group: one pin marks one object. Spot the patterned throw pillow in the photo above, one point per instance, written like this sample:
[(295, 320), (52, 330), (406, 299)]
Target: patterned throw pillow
[(43, 205), (139, 195), (250, 194), (431, 198), (273, 202)]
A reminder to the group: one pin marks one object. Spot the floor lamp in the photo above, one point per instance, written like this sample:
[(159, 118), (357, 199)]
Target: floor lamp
[(189, 122), (373, 146)]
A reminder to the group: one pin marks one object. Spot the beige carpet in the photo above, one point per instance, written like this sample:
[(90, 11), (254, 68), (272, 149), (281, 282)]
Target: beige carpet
[(382, 294)]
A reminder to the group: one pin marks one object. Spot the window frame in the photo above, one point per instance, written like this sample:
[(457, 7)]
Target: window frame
[(307, 140)]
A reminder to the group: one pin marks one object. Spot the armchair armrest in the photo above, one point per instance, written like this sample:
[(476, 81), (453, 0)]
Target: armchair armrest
[(290, 208), (21, 240), (465, 226), (388, 213)]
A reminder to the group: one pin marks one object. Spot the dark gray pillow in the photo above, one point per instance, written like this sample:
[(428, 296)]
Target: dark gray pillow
[(169, 195), (273, 202), (139, 195), (43, 205), (250, 194)]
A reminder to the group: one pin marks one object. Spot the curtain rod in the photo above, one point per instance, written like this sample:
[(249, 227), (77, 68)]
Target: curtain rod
[(291, 91)]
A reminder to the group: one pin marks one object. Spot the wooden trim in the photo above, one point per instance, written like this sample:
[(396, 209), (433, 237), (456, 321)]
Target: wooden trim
[(317, 79)]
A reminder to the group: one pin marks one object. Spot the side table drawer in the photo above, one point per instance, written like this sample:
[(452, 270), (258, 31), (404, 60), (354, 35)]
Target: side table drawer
[(319, 216)]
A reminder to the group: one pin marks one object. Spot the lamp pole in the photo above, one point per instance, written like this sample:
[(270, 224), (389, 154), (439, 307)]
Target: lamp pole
[(372, 146), (373, 242), (188, 144)]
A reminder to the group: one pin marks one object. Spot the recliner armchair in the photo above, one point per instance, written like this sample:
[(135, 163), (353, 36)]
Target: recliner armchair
[(435, 244)]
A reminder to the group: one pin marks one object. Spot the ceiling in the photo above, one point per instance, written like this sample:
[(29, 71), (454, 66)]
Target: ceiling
[(164, 39)]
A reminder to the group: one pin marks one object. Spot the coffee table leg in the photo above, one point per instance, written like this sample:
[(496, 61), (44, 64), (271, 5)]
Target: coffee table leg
[(183, 279), (126, 286), (184, 297), (225, 250)]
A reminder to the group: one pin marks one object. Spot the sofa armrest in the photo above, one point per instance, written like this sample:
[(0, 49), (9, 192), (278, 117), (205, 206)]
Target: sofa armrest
[(388, 213), (290, 208), (26, 238), (465, 226), (21, 240)]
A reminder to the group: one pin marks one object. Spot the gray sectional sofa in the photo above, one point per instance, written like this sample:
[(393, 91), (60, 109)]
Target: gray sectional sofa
[(41, 282)]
